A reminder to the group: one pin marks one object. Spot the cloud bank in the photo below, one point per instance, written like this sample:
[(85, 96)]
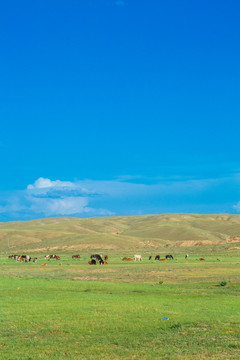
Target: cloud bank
[(50, 198), (127, 195)]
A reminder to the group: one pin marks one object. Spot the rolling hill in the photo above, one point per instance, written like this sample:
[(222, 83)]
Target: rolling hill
[(148, 233)]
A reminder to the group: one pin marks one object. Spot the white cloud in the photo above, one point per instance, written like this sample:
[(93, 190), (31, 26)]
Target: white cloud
[(46, 197), (64, 206), (237, 207), (51, 198), (43, 183), (57, 188)]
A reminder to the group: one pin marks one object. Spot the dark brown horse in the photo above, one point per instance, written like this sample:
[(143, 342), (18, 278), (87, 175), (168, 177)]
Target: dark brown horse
[(169, 257)]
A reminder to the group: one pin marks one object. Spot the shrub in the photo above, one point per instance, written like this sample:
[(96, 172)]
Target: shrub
[(160, 282), (177, 325), (223, 283)]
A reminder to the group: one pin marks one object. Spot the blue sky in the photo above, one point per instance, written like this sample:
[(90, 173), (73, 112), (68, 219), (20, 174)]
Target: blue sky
[(119, 107)]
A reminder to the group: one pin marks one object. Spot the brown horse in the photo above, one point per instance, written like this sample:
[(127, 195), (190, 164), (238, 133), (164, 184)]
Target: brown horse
[(20, 258)]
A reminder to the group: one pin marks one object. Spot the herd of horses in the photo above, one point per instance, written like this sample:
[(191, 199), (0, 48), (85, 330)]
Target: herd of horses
[(22, 258), (95, 258), (157, 257), (102, 260), (98, 258)]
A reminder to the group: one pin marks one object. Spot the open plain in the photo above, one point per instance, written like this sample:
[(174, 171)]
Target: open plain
[(174, 309)]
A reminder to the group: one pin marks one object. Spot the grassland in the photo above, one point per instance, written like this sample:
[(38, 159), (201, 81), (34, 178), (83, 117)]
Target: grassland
[(70, 310)]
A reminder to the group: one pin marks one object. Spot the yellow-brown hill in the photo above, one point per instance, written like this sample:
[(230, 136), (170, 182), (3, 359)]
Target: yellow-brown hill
[(148, 233)]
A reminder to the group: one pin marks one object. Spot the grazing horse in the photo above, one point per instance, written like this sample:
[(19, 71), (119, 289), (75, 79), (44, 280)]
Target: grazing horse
[(157, 257), (57, 257), (150, 258), (27, 258), (169, 257), (20, 258), (98, 258), (127, 259), (137, 257), (186, 256), (35, 260), (76, 257), (52, 256), (10, 256)]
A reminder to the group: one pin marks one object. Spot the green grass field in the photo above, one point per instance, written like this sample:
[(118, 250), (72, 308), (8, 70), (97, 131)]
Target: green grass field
[(71, 310)]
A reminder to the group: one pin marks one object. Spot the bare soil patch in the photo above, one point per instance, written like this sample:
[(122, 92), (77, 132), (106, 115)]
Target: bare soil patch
[(190, 243)]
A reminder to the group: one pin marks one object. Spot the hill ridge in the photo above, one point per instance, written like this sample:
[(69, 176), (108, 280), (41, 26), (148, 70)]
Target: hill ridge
[(120, 232)]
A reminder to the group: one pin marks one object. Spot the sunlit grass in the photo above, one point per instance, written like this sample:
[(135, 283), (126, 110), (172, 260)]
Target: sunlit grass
[(52, 312)]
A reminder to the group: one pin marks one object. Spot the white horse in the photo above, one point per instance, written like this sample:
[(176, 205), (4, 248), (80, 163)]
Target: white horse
[(137, 257)]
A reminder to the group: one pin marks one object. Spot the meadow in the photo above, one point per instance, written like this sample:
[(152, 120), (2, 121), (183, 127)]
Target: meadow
[(71, 310), (67, 309)]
